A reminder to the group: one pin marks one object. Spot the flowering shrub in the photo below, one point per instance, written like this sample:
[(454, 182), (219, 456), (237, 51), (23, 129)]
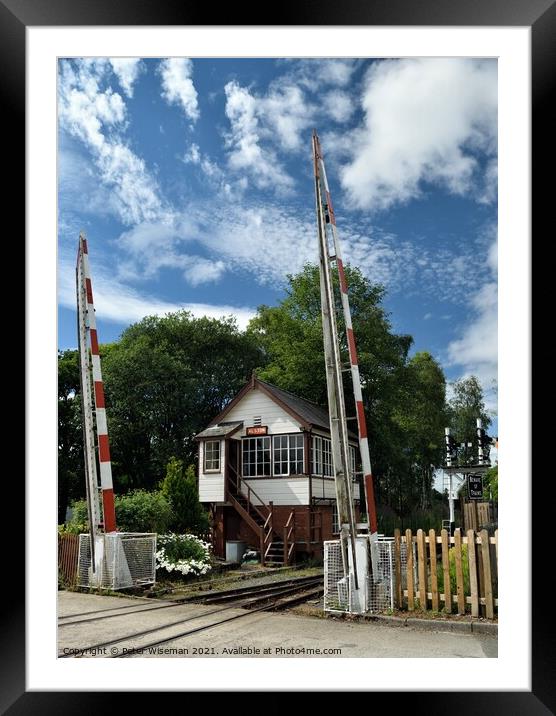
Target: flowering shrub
[(185, 554)]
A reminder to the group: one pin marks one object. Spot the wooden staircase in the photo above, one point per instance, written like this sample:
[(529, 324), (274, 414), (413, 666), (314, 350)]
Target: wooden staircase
[(259, 518)]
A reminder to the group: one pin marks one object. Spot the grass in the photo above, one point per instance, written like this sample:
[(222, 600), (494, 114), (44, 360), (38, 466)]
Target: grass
[(453, 580)]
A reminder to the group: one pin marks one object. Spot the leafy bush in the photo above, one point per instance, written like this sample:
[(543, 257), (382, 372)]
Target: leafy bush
[(79, 521), (180, 489), (142, 511), (138, 511), (185, 554), (73, 528)]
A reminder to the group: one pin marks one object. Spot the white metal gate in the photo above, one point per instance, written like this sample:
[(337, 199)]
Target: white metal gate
[(337, 586), (338, 589), (122, 560), (380, 585)]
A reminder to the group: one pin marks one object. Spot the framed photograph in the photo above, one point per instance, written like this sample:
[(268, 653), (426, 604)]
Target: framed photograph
[(180, 161)]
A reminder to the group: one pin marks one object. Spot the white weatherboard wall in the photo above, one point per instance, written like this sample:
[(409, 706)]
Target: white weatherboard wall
[(211, 484), (326, 488), (258, 403), (280, 490)]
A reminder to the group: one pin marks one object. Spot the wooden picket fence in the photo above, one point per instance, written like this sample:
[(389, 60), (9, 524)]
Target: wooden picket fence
[(476, 514), (434, 558)]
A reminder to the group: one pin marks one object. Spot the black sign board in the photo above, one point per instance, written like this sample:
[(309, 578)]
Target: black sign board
[(475, 487)]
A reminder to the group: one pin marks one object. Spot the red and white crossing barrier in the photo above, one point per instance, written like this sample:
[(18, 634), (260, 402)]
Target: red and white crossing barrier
[(354, 364), (91, 368)]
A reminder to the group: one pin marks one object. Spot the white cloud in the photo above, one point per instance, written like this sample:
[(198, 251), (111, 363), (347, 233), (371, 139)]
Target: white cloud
[(246, 153), (213, 173), (193, 155), (247, 238), (258, 239), (96, 116), (492, 260), (178, 87), (488, 193), (266, 124), (424, 119), (477, 348), (149, 238), (314, 74), (287, 113), (115, 301), (280, 117), (335, 72), (337, 148), (150, 247), (270, 241), (84, 109), (137, 196), (127, 70), (338, 105), (202, 270)]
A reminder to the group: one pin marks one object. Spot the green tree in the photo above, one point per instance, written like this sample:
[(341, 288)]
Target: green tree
[(465, 406), (490, 484), (421, 416), (180, 489), (71, 480), (291, 337), (165, 380)]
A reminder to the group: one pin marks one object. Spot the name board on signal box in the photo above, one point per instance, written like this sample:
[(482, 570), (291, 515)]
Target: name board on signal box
[(257, 430)]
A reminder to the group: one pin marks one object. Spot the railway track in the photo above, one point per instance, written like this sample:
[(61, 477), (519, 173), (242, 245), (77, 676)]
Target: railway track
[(229, 595), (132, 609), (113, 609), (253, 600), (233, 594)]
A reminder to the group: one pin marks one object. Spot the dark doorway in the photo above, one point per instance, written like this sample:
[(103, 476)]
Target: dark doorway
[(232, 523)]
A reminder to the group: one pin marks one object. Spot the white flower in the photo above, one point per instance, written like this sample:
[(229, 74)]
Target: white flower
[(184, 566)]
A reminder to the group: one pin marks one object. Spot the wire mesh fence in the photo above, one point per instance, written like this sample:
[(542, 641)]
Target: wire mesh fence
[(121, 560)]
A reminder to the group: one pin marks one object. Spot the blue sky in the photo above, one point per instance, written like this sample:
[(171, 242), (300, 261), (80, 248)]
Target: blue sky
[(193, 182)]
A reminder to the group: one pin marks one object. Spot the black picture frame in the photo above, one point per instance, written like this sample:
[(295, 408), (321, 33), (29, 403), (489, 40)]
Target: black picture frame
[(540, 16)]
